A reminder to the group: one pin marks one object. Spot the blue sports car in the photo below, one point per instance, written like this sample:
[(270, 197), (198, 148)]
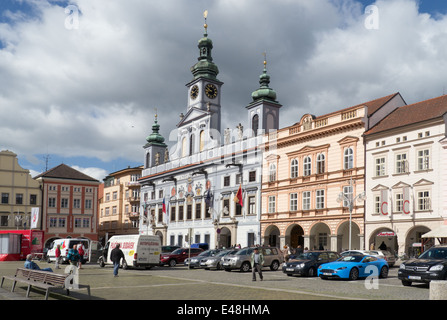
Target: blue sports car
[(354, 267)]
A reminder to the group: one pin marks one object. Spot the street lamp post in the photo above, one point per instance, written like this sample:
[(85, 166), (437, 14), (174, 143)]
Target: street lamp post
[(350, 201)]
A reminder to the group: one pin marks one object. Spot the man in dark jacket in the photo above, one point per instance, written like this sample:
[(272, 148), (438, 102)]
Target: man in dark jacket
[(115, 256)]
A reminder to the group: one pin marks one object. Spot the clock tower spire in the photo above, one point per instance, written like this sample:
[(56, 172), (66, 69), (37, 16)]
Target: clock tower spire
[(198, 127)]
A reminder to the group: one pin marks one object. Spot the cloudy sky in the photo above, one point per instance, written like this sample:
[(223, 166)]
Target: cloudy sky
[(80, 79)]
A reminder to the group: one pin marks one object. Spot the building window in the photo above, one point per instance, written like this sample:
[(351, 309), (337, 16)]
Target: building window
[(294, 168), (191, 144), (321, 163), (307, 166), (272, 204), (19, 198), (320, 199), (88, 203), (399, 202), (226, 204), (202, 140), (380, 167), (251, 205), (255, 124), (114, 210), (306, 200), (424, 159), (198, 211), (424, 202), (252, 176), (401, 163), (64, 203), (238, 209), (347, 192), (5, 198), (293, 202), (76, 203), (180, 213), (272, 173), (33, 199), (227, 181), (348, 159), (53, 222), (377, 204), (172, 213), (189, 212)]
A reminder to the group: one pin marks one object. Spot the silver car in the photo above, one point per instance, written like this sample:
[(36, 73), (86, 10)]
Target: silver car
[(242, 259), (216, 261)]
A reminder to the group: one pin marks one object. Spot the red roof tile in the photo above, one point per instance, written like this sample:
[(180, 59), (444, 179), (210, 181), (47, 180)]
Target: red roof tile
[(413, 113)]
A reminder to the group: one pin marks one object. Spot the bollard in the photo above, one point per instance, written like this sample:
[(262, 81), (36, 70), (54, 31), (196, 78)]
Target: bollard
[(438, 290)]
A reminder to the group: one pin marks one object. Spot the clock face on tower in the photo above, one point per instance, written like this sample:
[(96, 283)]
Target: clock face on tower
[(194, 92), (211, 91)]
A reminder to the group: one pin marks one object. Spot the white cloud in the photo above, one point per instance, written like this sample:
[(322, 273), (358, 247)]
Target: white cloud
[(92, 91)]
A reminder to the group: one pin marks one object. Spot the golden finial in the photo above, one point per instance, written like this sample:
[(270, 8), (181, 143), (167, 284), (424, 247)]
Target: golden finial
[(265, 59), (205, 15), (155, 114)]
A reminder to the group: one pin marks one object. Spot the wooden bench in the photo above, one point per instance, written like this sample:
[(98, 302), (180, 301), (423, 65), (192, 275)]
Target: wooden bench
[(40, 279)]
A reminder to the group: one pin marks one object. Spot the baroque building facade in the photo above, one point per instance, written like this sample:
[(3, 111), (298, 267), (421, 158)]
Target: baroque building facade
[(314, 173), (405, 178), (207, 187), (120, 205), (19, 194)]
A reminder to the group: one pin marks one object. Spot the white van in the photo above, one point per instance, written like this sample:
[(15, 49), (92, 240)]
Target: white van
[(139, 250), (67, 244)]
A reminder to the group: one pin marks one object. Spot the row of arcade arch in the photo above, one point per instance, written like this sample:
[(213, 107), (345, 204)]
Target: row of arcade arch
[(319, 237), (409, 243)]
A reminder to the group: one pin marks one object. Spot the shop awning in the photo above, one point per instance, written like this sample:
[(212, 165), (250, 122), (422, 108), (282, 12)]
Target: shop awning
[(440, 232)]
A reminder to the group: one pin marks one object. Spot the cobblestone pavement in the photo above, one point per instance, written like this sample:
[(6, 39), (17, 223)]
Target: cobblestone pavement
[(179, 283)]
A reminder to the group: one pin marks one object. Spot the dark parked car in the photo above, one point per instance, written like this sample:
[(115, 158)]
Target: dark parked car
[(430, 265), (178, 256), (307, 263)]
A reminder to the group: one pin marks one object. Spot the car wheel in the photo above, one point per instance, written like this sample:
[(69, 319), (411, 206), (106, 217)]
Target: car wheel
[(219, 266), (172, 263), (354, 274), (274, 266), (245, 267), (125, 266), (406, 283), (311, 272), (383, 272)]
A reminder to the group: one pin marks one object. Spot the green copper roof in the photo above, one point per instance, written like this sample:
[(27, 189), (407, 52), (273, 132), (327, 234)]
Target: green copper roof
[(205, 68), (155, 137), (264, 91)]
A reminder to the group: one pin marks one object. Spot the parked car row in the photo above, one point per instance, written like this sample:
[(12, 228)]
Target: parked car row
[(351, 265)]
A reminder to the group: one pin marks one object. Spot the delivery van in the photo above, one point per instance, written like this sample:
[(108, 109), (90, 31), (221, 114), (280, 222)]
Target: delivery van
[(67, 244), (140, 251)]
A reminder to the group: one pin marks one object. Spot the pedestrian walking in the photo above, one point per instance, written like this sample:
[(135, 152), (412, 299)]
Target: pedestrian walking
[(57, 252), (81, 255), (73, 256), (257, 261), (115, 256)]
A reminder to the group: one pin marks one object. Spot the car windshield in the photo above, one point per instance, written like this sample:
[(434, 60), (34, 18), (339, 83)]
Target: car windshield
[(177, 251), (434, 253), (224, 253), (351, 258), (307, 256), (244, 252)]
